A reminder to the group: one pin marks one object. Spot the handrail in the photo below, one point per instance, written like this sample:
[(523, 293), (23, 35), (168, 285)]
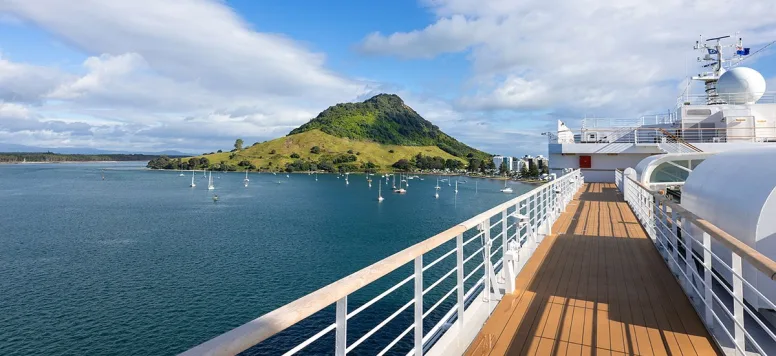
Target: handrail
[(755, 258), (266, 326), (679, 140)]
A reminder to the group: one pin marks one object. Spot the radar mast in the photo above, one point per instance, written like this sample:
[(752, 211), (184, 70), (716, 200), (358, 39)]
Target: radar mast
[(713, 55)]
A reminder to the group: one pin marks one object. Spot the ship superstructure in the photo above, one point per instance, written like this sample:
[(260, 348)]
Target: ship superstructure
[(735, 111)]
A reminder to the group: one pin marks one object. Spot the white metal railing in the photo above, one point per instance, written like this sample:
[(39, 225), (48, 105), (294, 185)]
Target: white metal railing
[(685, 242), (703, 99), (488, 256), (655, 119)]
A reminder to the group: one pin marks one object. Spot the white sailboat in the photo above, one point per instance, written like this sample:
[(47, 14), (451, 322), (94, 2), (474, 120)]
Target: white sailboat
[(246, 177), (316, 176), (192, 180), (181, 173), (210, 185), (456, 187), (437, 186), (380, 193), (506, 189), (399, 190)]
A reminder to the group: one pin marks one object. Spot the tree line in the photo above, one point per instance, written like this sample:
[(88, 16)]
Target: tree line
[(11, 157)]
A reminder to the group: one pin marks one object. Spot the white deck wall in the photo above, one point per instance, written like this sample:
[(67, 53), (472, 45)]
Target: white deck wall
[(603, 165)]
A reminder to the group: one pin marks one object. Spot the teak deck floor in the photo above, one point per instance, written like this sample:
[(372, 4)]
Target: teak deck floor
[(596, 287)]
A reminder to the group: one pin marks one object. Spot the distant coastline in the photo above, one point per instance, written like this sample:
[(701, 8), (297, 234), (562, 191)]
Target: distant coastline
[(50, 157)]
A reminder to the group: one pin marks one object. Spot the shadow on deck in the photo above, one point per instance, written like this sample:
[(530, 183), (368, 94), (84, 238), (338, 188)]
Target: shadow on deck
[(596, 287)]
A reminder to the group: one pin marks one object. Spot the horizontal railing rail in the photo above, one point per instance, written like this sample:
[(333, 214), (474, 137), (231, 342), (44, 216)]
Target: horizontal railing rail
[(520, 225), (648, 135), (715, 283), (655, 119), (730, 98)]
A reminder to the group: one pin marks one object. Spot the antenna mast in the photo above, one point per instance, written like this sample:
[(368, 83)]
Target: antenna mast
[(714, 57)]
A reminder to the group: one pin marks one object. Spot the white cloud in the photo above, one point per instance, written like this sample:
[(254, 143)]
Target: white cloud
[(612, 57), (21, 82), (159, 72)]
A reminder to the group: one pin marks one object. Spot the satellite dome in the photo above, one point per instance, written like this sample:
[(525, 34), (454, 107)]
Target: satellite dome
[(741, 85)]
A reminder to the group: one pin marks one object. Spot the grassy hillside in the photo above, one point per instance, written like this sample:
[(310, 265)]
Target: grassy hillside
[(386, 119), (371, 135), (261, 155)]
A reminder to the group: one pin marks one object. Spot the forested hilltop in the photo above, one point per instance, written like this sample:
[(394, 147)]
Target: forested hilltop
[(379, 134)]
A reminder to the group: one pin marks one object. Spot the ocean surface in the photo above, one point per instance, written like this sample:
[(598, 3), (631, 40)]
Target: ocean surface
[(141, 264)]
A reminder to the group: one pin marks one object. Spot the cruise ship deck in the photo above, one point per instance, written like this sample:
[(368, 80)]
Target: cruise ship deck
[(596, 286)]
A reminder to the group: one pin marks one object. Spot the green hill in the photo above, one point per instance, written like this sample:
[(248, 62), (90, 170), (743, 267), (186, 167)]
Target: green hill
[(371, 135), (385, 119)]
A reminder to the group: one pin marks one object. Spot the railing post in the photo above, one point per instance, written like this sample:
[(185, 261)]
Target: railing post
[(666, 229), (486, 249), (707, 297), (459, 286), (419, 305), (504, 235), (688, 258), (342, 327), (656, 220), (738, 306), (675, 241)]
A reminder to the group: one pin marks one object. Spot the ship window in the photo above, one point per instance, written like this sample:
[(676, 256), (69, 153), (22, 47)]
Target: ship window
[(667, 172), (699, 112)]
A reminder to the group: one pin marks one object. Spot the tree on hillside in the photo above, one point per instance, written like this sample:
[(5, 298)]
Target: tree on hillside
[(294, 155), (402, 165), (315, 150), (474, 165), (238, 144)]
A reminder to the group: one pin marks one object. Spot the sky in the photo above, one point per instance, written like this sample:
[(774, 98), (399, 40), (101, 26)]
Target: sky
[(194, 75)]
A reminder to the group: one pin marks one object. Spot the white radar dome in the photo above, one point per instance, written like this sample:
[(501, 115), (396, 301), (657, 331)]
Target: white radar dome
[(741, 85)]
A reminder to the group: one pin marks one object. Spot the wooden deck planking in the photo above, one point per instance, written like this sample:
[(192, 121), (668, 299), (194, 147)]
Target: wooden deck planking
[(597, 286)]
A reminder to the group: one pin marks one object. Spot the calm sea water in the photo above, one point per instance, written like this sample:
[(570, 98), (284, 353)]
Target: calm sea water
[(141, 264)]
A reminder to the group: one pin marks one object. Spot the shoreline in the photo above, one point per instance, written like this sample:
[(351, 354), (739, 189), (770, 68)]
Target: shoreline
[(65, 162), (500, 178)]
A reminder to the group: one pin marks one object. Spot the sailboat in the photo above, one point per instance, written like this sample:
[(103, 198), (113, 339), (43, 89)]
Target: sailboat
[(394, 181), (456, 187), (246, 180), (181, 173), (192, 180), (380, 193), (506, 189), (399, 190), (436, 194), (316, 176), (210, 185), (437, 186)]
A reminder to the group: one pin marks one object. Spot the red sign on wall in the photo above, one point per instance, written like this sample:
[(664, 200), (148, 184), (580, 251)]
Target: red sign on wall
[(585, 162)]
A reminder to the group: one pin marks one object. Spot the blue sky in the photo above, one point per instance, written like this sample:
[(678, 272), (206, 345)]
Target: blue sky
[(193, 75)]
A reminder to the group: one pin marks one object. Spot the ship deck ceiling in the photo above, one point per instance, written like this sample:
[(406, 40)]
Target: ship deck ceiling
[(597, 286)]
